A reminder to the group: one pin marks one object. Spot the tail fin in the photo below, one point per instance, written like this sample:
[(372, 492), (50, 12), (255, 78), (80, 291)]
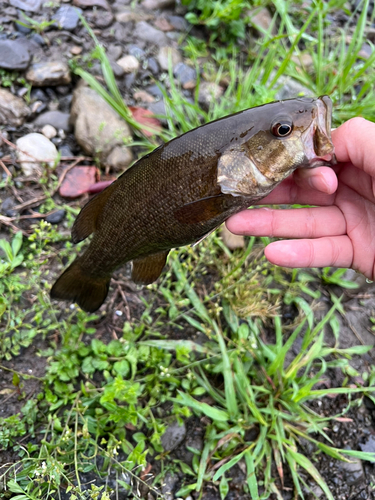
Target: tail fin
[(89, 292)]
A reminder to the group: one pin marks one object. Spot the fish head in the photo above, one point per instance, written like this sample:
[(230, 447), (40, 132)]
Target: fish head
[(284, 136)]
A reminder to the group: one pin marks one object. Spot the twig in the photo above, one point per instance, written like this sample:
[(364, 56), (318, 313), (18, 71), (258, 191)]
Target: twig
[(7, 221), (24, 375), (9, 175)]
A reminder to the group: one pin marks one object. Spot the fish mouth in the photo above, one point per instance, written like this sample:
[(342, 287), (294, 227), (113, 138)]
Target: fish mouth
[(319, 148)]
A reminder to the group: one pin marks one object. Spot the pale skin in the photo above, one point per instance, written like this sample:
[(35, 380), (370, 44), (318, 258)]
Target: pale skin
[(340, 231)]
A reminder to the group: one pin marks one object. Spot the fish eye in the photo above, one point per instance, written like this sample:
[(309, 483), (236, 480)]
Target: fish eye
[(282, 129)]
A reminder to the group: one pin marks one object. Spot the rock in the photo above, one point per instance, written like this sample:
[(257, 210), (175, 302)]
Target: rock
[(179, 23), (48, 73), (162, 24), (144, 31), (76, 50), (366, 51), (152, 65), (114, 52), (154, 90), (49, 131), (232, 241), (28, 5), (136, 51), (127, 16), (369, 445), (289, 88), (143, 96), (186, 75), (13, 55), (173, 436), (57, 119), (96, 136), (118, 71), (157, 4), (261, 19), (119, 158), (41, 149), (168, 53), (304, 60), (67, 17), (65, 150), (168, 486), (209, 92), (7, 205), (353, 471), (56, 217), (102, 19), (129, 64), (92, 3), (158, 109), (13, 109)]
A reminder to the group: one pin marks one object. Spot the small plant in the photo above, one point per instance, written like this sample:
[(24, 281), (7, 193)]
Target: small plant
[(37, 26)]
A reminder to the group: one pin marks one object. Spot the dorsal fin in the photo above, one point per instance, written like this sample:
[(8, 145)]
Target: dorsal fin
[(86, 222), (148, 269)]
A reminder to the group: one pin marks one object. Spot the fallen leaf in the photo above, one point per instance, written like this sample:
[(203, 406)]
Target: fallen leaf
[(98, 187), (78, 181), (145, 117)]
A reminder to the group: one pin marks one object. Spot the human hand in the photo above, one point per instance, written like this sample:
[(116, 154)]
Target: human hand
[(340, 232)]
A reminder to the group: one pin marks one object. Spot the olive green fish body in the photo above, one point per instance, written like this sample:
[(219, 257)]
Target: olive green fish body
[(186, 188)]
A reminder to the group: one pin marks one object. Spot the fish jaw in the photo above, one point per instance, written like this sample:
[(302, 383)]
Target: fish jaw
[(317, 140)]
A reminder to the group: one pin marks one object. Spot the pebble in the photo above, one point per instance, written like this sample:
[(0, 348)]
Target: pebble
[(92, 3), (127, 16), (290, 88), (129, 64), (261, 19), (168, 53), (186, 75), (369, 445), (102, 19), (136, 51), (232, 241), (57, 119), (209, 92), (7, 206), (157, 4), (144, 31), (179, 23), (13, 55), (56, 217), (118, 71), (13, 109), (168, 486), (67, 17), (173, 436), (98, 128), (49, 131), (163, 24), (154, 90), (119, 158), (114, 52), (28, 5), (152, 65), (40, 148), (76, 50), (353, 471), (48, 73), (143, 96)]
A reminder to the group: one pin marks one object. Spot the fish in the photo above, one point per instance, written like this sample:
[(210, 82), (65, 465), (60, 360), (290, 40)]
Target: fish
[(187, 187)]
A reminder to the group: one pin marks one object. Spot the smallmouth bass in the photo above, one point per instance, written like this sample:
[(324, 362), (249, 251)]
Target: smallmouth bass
[(186, 188)]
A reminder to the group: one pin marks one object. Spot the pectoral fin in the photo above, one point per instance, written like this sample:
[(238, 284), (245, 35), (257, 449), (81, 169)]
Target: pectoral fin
[(201, 210), (147, 270)]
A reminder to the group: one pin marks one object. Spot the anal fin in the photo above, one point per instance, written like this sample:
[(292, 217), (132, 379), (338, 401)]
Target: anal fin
[(148, 269)]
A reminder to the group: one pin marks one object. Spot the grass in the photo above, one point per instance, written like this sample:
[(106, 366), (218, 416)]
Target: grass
[(198, 347)]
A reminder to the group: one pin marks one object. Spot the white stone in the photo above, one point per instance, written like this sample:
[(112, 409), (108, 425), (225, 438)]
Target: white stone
[(129, 64), (49, 131), (33, 151), (168, 52)]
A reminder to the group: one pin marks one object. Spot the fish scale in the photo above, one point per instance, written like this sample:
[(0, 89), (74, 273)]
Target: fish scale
[(187, 187)]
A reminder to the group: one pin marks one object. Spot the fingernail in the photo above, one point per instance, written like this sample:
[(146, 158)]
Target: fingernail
[(319, 183)]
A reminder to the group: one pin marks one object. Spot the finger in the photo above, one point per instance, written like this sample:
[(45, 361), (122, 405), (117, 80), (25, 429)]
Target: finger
[(294, 223), (322, 179), (289, 193), (354, 142), (336, 251)]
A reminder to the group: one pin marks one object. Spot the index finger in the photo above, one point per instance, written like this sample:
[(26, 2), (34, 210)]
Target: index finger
[(354, 143)]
